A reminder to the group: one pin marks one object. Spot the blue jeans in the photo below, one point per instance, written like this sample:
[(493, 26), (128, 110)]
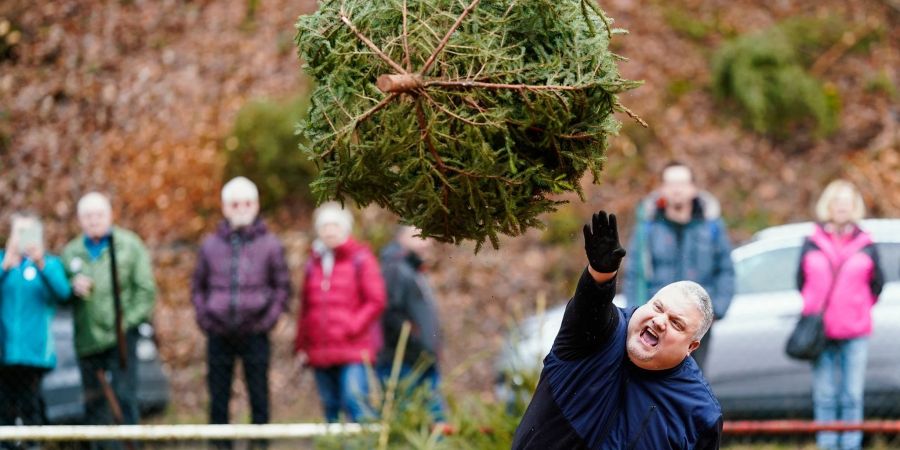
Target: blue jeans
[(344, 387), (838, 378), (429, 379)]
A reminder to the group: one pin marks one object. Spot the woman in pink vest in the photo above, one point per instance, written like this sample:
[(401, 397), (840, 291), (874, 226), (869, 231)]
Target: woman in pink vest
[(839, 273), (339, 327)]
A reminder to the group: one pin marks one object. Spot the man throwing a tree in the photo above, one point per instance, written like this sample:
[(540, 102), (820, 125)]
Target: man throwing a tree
[(618, 379)]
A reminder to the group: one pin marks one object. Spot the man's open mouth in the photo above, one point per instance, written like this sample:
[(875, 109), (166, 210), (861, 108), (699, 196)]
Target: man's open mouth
[(649, 337)]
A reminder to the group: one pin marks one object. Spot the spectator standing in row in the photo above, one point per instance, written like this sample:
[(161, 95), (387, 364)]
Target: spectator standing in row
[(240, 288), (680, 235), (411, 299), (839, 272), (32, 283), (108, 295), (338, 329)]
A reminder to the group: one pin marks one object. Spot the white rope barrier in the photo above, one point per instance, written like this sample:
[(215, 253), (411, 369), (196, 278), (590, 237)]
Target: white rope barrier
[(178, 432)]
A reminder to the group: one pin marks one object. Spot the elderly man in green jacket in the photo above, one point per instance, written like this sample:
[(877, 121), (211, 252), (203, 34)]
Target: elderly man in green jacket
[(104, 360)]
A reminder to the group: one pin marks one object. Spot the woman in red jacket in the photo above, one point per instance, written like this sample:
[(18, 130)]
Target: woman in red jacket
[(338, 329), (839, 274)]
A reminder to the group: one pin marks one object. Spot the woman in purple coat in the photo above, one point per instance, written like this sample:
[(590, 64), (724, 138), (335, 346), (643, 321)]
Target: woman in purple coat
[(240, 288)]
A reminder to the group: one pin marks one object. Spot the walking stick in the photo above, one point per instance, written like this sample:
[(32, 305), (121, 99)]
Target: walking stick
[(113, 402), (110, 397), (117, 306)]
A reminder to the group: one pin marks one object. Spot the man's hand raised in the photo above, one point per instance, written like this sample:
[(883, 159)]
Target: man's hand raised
[(601, 244)]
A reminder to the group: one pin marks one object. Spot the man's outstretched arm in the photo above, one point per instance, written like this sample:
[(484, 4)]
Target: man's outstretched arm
[(590, 316)]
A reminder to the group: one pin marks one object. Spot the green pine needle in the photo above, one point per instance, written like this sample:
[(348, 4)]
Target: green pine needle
[(460, 161)]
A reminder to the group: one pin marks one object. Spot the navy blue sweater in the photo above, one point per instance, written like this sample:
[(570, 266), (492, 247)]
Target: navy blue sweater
[(590, 395)]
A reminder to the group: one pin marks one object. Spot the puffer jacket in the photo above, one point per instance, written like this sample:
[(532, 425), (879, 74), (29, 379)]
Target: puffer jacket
[(846, 270), (241, 284), (340, 312), (656, 257)]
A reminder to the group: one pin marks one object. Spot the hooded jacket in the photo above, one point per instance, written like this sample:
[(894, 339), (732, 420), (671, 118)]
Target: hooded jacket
[(340, 310), (846, 270), (241, 283), (658, 257), (28, 299)]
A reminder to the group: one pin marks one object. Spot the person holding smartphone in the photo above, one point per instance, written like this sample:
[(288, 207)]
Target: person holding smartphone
[(32, 284)]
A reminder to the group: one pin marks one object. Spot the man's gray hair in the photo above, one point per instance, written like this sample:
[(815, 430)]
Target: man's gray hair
[(239, 188), (94, 201), (699, 295)]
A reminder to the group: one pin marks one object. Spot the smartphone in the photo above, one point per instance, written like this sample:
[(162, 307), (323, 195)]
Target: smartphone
[(28, 235)]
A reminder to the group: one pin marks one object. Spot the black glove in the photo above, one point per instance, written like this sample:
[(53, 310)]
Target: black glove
[(602, 246)]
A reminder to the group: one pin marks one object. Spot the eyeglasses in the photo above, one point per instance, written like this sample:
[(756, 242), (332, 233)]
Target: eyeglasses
[(238, 204)]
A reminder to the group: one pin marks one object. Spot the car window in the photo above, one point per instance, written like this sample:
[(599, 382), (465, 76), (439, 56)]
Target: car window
[(889, 260), (771, 271)]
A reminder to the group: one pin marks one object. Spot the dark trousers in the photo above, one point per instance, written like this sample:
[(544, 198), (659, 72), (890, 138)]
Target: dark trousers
[(703, 350), (221, 353), (123, 383), (20, 400), (20, 395)]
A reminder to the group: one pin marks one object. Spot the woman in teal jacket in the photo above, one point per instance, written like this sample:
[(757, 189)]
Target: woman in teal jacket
[(31, 285)]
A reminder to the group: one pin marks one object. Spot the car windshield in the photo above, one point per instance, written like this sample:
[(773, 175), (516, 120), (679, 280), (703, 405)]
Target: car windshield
[(889, 260), (776, 270), (770, 271)]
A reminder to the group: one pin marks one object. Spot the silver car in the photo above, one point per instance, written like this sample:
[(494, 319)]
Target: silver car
[(61, 388), (746, 365)]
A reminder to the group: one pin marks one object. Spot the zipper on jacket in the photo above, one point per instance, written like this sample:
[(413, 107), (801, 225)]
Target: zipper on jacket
[(235, 277), (643, 427)]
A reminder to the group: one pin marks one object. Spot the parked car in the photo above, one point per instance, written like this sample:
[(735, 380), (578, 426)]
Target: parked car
[(62, 390), (746, 366)]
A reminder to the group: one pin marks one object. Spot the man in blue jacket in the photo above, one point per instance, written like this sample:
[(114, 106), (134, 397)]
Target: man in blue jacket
[(622, 379), (680, 235)]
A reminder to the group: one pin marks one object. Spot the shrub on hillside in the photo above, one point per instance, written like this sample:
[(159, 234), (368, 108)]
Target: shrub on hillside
[(766, 75), (263, 147)]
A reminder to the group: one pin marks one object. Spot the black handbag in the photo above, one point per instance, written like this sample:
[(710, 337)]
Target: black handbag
[(808, 339)]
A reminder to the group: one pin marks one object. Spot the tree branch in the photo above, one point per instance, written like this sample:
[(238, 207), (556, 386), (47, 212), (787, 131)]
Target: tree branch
[(845, 43), (360, 119), (371, 44), (521, 87), (451, 113), (423, 129), (406, 41), (631, 114), (446, 38), (593, 5), (384, 102), (442, 166)]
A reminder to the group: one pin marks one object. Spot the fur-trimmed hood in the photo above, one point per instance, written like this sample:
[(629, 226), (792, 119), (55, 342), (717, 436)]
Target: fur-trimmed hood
[(706, 206)]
